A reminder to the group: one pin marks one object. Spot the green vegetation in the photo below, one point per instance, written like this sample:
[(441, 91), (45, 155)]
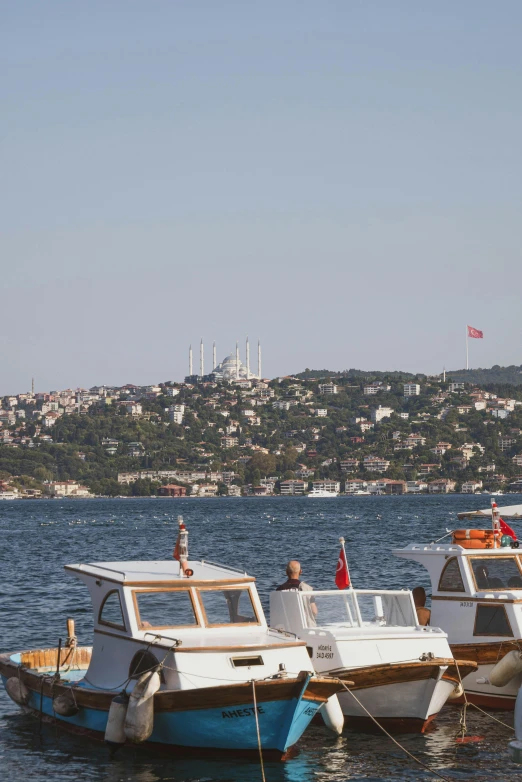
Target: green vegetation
[(283, 437)]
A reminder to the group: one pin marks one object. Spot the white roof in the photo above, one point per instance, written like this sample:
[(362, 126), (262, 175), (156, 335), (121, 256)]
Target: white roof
[(414, 550), (159, 570), (507, 512)]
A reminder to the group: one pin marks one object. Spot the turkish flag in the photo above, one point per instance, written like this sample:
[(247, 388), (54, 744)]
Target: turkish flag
[(475, 333), (342, 576), (506, 529)]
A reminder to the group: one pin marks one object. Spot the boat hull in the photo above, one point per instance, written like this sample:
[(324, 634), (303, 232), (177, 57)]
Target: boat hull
[(402, 697), (486, 655), (212, 718)]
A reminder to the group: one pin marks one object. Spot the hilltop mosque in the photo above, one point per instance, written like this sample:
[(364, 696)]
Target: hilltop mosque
[(230, 369)]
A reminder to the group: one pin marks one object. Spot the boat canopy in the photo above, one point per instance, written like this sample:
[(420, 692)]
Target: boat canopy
[(507, 512), (161, 571)]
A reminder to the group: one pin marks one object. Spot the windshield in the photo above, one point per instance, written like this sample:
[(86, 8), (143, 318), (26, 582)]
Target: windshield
[(376, 608), (496, 572), (227, 606), (165, 608)]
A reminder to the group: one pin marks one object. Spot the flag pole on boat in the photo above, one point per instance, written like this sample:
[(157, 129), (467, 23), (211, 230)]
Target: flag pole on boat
[(495, 519), (180, 552)]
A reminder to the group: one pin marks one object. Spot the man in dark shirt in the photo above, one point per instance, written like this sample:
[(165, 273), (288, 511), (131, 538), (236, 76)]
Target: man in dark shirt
[(293, 571)]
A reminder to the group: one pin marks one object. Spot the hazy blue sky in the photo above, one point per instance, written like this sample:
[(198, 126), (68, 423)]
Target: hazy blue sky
[(341, 178)]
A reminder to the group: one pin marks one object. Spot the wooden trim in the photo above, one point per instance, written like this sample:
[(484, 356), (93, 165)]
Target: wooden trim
[(112, 624), (141, 626), (450, 560), (181, 583), (487, 652), (494, 635), (471, 599), (199, 590), (319, 689), (399, 673), (495, 558)]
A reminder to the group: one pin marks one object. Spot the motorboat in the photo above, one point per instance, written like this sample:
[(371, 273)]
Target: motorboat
[(476, 581), (181, 657), (402, 673), (322, 493)]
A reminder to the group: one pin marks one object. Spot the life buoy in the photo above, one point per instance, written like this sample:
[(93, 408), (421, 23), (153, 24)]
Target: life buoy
[(474, 538)]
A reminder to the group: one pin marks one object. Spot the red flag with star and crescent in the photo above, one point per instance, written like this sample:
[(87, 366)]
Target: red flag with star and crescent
[(475, 333), (342, 576), (506, 529)]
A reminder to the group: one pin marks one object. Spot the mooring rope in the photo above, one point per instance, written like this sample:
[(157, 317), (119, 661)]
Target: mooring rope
[(381, 727), (260, 748), (467, 704)]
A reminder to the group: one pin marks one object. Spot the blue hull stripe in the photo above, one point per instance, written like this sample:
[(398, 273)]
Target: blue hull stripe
[(281, 724)]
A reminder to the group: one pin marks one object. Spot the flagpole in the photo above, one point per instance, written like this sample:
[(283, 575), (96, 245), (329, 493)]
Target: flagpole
[(467, 349)]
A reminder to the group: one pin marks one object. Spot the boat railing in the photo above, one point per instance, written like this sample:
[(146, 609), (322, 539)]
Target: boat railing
[(102, 567), (224, 567)]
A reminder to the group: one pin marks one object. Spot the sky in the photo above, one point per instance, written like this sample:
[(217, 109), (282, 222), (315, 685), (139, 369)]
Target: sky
[(341, 179)]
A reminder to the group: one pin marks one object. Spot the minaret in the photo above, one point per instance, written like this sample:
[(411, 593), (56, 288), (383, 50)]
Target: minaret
[(190, 361), (259, 359), (214, 362), (444, 374), (237, 360), (201, 360), (247, 359)]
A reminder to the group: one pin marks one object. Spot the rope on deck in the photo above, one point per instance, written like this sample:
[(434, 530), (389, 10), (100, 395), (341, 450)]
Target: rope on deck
[(260, 748), (420, 762)]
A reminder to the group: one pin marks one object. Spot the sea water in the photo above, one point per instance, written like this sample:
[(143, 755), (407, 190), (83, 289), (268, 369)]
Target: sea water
[(259, 535)]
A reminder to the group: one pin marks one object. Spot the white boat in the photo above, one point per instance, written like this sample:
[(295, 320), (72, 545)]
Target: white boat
[(322, 493), (190, 647), (476, 584), (402, 673)]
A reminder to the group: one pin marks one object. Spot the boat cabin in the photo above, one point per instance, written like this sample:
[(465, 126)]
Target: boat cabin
[(476, 593), (355, 627), (206, 627)]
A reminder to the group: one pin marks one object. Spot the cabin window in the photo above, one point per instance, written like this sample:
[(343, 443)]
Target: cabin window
[(496, 573), (228, 606), (451, 578), (111, 613), (165, 608), (492, 620)]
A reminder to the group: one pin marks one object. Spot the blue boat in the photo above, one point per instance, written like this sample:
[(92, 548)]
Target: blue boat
[(182, 658)]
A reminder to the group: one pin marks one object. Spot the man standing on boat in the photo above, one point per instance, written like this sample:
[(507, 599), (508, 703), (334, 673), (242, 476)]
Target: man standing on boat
[(293, 571)]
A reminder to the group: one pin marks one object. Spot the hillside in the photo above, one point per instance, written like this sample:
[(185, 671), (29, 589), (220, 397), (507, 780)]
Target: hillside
[(253, 437)]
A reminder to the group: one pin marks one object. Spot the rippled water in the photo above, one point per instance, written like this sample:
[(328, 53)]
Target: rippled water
[(260, 534)]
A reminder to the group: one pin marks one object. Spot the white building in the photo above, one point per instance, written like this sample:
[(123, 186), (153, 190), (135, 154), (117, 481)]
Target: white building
[(293, 487), (381, 412), (411, 389), (470, 487), (321, 412), (454, 387), (327, 485), (328, 388)]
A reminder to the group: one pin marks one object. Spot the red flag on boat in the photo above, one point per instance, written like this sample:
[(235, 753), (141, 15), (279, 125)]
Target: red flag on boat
[(475, 333), (342, 576), (506, 529)]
